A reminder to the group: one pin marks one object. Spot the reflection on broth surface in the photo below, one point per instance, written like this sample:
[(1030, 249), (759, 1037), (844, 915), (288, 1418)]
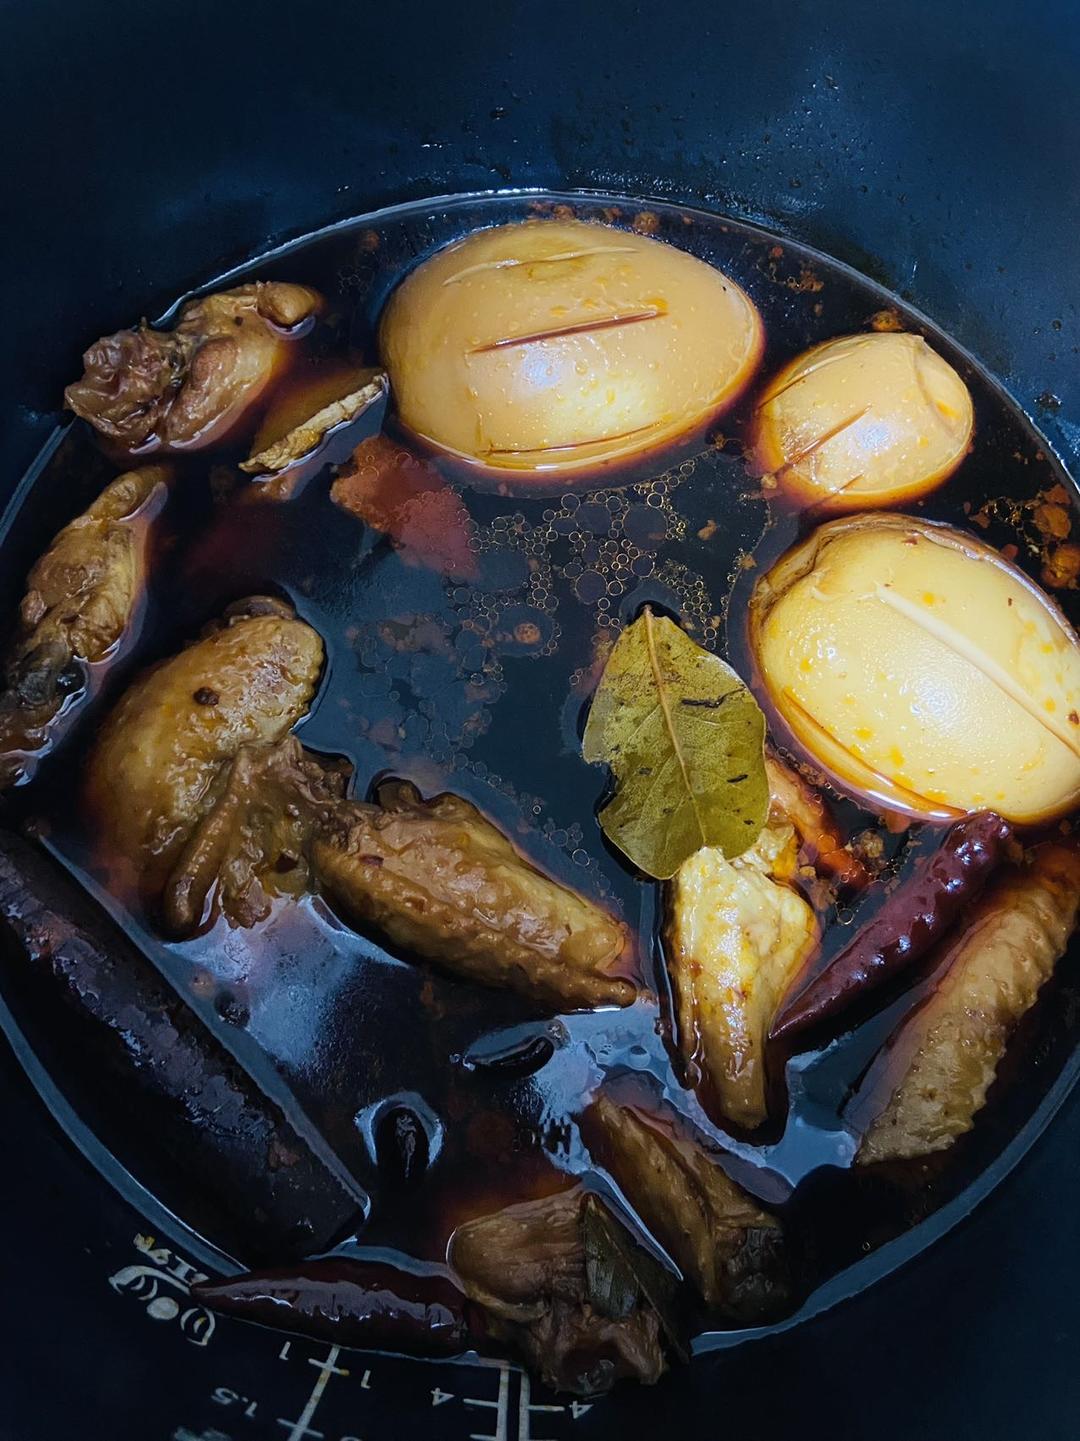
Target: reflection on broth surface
[(362, 856)]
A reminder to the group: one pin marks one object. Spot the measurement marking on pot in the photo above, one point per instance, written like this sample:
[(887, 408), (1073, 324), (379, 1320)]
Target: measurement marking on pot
[(166, 1269), (501, 1406), (514, 1423), (226, 1396), (336, 1370), (301, 1428), (527, 1407)]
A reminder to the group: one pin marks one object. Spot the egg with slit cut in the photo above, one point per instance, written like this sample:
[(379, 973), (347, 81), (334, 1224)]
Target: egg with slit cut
[(863, 420), (557, 345), (922, 670)]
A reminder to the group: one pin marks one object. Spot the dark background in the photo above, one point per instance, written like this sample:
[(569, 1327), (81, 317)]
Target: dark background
[(148, 144)]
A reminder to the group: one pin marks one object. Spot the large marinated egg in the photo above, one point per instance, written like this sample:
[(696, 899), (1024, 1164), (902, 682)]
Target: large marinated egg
[(864, 420), (557, 345), (922, 670)]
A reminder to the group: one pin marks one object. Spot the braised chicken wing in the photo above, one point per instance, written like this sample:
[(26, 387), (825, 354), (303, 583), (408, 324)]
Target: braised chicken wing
[(81, 596), (937, 1068), (252, 843), (726, 1246), (737, 934), (147, 389), (526, 1266), (440, 882), (163, 754)]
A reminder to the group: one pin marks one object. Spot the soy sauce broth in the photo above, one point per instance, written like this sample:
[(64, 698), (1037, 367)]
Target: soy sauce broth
[(478, 684)]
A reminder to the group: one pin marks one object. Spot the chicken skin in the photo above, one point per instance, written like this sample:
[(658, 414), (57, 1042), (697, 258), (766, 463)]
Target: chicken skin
[(938, 1066), (439, 881), (164, 753)]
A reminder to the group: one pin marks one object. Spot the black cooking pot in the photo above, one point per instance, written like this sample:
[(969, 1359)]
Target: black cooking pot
[(152, 145)]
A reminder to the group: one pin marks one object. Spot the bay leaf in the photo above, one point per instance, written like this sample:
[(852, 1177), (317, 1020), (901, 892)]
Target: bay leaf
[(684, 738), (612, 1286), (619, 1273)]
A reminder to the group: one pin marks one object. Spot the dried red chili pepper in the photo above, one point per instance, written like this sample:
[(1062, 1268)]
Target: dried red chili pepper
[(914, 917), (349, 1302)]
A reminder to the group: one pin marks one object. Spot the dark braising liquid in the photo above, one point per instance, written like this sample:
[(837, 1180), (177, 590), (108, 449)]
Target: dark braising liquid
[(445, 1099)]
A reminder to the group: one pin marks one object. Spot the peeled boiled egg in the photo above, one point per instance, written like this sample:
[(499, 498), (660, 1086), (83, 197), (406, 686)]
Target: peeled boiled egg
[(922, 669), (864, 420), (555, 345)]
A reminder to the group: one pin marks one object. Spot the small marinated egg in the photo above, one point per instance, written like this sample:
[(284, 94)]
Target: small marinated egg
[(558, 345), (922, 669), (864, 420)]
